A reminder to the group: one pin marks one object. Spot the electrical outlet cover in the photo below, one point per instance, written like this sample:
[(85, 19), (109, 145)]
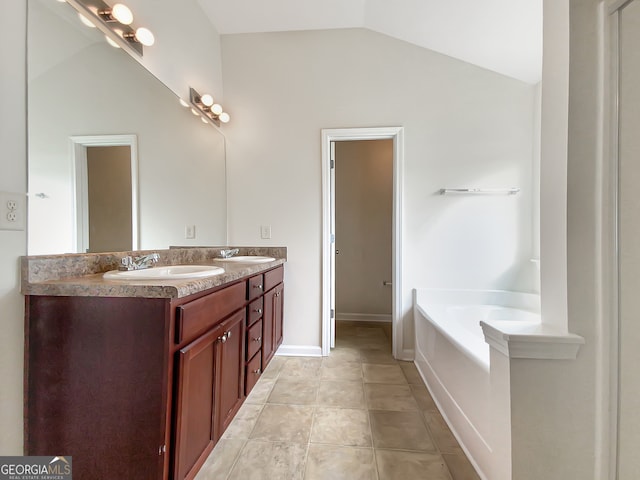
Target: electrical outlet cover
[(12, 211)]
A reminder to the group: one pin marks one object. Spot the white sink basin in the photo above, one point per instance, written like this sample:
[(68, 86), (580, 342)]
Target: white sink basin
[(248, 259), (168, 272)]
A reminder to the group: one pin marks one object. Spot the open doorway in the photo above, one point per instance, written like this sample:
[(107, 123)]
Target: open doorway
[(363, 234), (106, 194), (329, 140)]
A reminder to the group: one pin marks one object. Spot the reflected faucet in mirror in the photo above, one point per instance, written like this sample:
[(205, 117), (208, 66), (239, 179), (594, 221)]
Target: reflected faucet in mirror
[(229, 253), (138, 263)]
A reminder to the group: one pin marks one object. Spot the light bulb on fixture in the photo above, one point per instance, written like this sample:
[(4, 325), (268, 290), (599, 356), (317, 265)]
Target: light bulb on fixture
[(86, 21), (117, 13), (145, 37), (224, 117), (111, 42), (142, 35), (206, 100), (122, 14), (216, 109)]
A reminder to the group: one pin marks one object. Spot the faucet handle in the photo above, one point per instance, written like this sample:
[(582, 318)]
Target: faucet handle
[(126, 263)]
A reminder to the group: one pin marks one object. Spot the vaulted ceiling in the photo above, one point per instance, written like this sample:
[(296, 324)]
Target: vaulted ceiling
[(501, 35)]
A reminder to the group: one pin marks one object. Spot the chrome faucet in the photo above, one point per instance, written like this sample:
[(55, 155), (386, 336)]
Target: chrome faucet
[(229, 253), (138, 263)]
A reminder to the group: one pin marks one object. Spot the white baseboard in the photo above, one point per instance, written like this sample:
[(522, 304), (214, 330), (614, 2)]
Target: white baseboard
[(364, 317), (299, 351), (407, 355)]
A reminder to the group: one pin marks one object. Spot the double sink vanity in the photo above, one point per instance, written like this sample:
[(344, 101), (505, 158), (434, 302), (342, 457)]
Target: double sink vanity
[(137, 373)]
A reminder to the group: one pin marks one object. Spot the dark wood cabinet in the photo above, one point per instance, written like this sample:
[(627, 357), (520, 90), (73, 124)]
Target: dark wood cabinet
[(265, 316), (272, 322), (230, 371), (96, 384), (210, 379), (144, 387), (195, 404)]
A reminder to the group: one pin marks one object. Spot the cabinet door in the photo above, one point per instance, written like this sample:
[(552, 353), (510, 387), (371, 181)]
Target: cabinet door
[(229, 371), (268, 337), (195, 404), (278, 316)]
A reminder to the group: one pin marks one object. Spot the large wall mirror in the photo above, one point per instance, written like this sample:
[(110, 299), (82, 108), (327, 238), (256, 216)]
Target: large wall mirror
[(115, 162)]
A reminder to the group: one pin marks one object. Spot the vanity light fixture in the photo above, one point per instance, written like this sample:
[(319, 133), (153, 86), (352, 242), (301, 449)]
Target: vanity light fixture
[(116, 23), (205, 105)]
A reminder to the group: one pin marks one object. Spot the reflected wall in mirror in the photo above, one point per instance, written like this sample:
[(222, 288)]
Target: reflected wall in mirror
[(81, 86)]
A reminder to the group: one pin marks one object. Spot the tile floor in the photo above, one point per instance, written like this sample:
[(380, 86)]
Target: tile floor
[(357, 414)]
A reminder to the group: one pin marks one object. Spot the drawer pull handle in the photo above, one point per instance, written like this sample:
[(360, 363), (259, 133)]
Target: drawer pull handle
[(257, 310), (257, 339), (258, 286), (257, 372)]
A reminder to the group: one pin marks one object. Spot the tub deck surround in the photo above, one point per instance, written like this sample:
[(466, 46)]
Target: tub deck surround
[(81, 274), (531, 340)]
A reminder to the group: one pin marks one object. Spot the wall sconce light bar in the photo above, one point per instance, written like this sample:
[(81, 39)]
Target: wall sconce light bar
[(207, 108), (115, 22)]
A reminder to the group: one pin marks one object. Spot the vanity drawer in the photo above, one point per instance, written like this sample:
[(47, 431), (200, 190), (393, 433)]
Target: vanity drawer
[(253, 372), (196, 317), (255, 311), (273, 278), (255, 287), (254, 339)]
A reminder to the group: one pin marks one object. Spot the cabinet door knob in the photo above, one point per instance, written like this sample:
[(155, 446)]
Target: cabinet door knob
[(223, 338), (257, 310), (258, 286), (257, 339), (257, 372)]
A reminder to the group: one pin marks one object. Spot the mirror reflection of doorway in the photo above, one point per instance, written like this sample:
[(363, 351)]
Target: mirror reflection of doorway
[(106, 193), (109, 198), (364, 233)]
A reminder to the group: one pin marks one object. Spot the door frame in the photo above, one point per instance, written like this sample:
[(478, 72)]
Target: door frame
[(328, 234), (78, 147)]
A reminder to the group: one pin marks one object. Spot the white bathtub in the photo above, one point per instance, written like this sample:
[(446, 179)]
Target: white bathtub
[(454, 359)]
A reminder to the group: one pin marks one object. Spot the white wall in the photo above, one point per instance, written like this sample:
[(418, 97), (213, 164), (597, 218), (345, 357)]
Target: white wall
[(464, 126), (13, 178), (629, 228), (187, 49)]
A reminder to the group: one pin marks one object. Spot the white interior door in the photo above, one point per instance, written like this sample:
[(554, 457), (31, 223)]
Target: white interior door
[(332, 292)]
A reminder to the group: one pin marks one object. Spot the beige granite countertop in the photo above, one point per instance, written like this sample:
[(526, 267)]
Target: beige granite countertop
[(82, 274)]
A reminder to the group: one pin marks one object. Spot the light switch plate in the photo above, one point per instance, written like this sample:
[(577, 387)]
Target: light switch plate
[(190, 231), (265, 231), (12, 211)]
